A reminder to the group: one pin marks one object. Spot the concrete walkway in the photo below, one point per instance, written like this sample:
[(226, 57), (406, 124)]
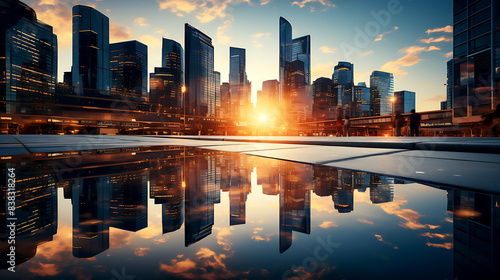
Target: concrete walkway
[(472, 163)]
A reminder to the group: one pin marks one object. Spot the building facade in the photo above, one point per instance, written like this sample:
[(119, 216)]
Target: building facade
[(404, 101), (381, 91), (324, 103), (28, 60), (200, 86), (91, 72), (361, 103), (476, 59), (129, 69)]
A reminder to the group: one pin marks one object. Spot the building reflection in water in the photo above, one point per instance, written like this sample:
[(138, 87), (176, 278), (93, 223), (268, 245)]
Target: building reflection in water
[(110, 188)]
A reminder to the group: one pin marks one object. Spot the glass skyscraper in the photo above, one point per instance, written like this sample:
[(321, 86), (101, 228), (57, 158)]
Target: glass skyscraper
[(28, 60), (238, 78), (361, 105), (343, 80), (381, 91), (476, 58), (404, 101), (323, 99), (200, 86), (167, 81), (129, 69), (449, 84), (91, 72), (295, 74)]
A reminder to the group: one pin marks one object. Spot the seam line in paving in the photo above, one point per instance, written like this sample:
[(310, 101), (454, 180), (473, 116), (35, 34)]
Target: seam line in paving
[(360, 157), (27, 149)]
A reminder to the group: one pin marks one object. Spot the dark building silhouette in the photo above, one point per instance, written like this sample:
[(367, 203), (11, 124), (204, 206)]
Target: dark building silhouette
[(200, 86), (343, 194), (91, 201), (28, 61), (449, 85), (361, 103), (128, 203), (343, 82), (129, 69), (225, 95), (381, 91), (381, 189), (166, 83), (91, 72), (476, 40), (324, 99)]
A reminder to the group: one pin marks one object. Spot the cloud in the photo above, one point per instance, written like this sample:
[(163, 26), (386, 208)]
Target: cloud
[(381, 36), (365, 221), (140, 21), (436, 40), (264, 2), (379, 238), (141, 252), (223, 237), (436, 98), (222, 38), (326, 225), (365, 53), (410, 216), (257, 36), (450, 54), (327, 49), (446, 29), (58, 14), (447, 246), (437, 235), (205, 10), (118, 32), (41, 269), (258, 238), (303, 3), (411, 58)]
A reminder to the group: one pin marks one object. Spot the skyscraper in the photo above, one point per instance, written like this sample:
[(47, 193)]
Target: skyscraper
[(28, 60), (361, 103), (129, 69), (295, 74), (225, 100), (91, 72), (216, 104), (404, 101), (476, 59), (240, 98), (381, 91), (199, 67), (343, 80), (449, 84), (167, 81), (324, 102)]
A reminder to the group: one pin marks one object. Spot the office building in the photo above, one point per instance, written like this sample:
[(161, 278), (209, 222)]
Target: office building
[(91, 74), (476, 59), (199, 65), (361, 103), (28, 60), (166, 83), (324, 100), (240, 96), (381, 92), (343, 80), (404, 101), (215, 104), (449, 85), (225, 97), (129, 70)]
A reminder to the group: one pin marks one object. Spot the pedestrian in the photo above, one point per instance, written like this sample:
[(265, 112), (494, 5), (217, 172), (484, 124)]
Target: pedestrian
[(347, 126), (398, 124), (339, 126), (414, 124)]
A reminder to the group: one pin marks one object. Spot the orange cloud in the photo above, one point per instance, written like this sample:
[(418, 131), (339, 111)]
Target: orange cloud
[(380, 239), (140, 21), (327, 49), (223, 237), (365, 221), (447, 246), (410, 216), (411, 58), (205, 10), (141, 252), (58, 14), (119, 32), (437, 235), (326, 225), (41, 269), (436, 40), (303, 3), (446, 29), (381, 36), (436, 98)]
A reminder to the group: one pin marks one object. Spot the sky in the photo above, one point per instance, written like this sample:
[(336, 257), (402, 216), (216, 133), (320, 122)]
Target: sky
[(412, 39)]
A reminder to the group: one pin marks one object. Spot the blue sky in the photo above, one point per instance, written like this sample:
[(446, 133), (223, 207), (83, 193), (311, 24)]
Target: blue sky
[(412, 39)]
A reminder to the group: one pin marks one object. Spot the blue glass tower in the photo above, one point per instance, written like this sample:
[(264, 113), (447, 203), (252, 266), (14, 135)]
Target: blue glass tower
[(285, 57), (200, 84), (28, 60), (404, 101), (381, 91), (91, 72), (238, 79)]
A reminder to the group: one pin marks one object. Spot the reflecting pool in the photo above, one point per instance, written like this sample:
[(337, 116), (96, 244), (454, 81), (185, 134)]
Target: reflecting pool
[(190, 213)]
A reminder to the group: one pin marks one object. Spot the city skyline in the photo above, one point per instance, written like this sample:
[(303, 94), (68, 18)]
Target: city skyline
[(415, 53)]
